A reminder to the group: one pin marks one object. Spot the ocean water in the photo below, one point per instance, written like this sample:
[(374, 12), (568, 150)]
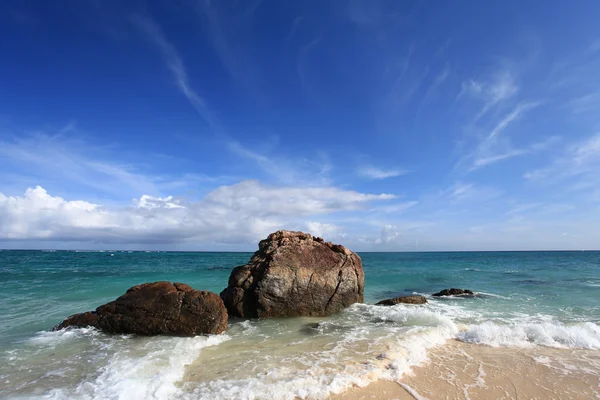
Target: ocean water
[(525, 299)]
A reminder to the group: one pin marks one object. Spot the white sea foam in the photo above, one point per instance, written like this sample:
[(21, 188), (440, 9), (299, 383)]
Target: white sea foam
[(55, 338), (492, 295), (140, 368), (551, 334)]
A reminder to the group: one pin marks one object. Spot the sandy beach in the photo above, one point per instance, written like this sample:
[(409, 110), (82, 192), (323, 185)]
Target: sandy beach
[(459, 370)]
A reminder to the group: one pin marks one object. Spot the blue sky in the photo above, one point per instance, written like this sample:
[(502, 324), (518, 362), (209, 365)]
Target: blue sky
[(382, 125)]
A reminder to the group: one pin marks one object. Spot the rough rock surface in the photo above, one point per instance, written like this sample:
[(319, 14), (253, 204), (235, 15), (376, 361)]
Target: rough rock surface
[(159, 308), (295, 274), (403, 299), (454, 292)]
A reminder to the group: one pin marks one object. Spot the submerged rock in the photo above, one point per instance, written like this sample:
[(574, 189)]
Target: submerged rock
[(159, 308), (295, 274), (416, 299), (454, 292)]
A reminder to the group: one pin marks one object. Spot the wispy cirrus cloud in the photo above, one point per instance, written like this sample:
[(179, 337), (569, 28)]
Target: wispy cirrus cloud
[(302, 61), (518, 111), (523, 208), (229, 29), (372, 172), (485, 161), (442, 76), (463, 192), (286, 169), (174, 62), (493, 91), (62, 159), (589, 102), (402, 78), (579, 164), (438, 80), (396, 208), (494, 147)]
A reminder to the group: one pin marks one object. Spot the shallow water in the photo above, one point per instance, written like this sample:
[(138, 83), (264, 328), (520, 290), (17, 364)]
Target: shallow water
[(526, 299)]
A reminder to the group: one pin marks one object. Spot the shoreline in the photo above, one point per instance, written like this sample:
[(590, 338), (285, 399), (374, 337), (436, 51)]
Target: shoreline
[(458, 370)]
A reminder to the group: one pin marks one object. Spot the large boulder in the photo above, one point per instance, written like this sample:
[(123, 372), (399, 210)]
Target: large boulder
[(454, 292), (159, 308), (295, 274), (415, 299)]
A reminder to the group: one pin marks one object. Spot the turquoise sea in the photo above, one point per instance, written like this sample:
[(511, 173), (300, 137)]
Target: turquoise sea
[(525, 299)]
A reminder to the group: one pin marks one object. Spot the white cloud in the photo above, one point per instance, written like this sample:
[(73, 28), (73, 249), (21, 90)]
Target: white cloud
[(389, 238), (390, 234), (150, 202), (240, 213), (326, 231), (258, 199), (371, 172)]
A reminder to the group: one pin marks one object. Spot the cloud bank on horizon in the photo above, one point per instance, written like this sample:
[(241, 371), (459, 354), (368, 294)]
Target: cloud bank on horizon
[(387, 126)]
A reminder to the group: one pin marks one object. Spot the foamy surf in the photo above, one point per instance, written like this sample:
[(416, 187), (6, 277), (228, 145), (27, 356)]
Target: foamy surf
[(359, 346), (114, 367), (550, 334), (306, 358)]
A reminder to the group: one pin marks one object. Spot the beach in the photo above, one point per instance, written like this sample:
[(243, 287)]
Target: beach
[(457, 370), (530, 331)]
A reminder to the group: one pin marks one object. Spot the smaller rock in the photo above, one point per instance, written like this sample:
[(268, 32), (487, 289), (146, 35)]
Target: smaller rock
[(89, 318), (416, 299), (158, 308), (454, 292)]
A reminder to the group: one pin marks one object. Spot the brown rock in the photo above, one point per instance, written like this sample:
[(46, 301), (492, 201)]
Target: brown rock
[(403, 299), (454, 292), (295, 274), (158, 308)]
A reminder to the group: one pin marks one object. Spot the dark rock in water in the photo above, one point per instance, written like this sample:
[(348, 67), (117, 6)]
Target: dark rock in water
[(403, 299), (159, 308), (89, 318), (454, 292), (295, 274)]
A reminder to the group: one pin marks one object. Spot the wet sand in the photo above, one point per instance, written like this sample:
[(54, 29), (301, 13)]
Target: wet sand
[(458, 370)]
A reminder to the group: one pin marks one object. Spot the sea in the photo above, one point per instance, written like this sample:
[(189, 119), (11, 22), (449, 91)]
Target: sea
[(531, 300)]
